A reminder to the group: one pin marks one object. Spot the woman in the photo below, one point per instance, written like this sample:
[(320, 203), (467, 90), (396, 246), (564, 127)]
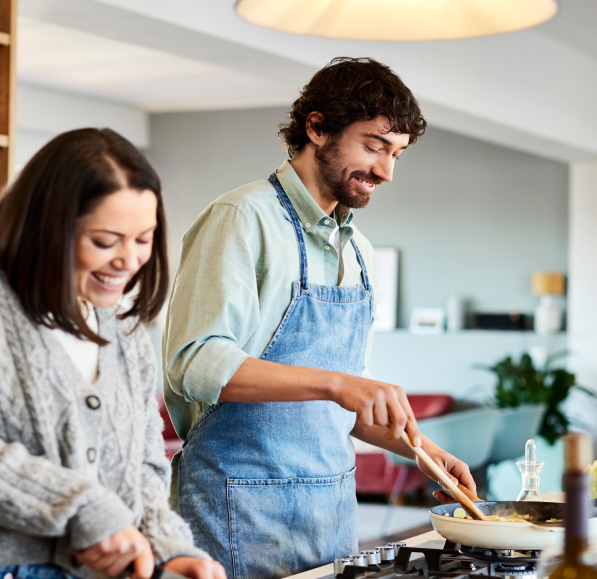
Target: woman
[(83, 476)]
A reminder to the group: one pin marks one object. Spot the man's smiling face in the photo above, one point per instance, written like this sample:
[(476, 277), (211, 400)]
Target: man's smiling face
[(352, 164)]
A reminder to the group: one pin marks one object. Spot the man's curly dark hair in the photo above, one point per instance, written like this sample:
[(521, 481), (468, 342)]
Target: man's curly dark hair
[(352, 89)]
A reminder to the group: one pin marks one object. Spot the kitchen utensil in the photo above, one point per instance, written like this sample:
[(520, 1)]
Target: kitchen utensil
[(163, 573), (465, 502), (502, 535), (470, 494)]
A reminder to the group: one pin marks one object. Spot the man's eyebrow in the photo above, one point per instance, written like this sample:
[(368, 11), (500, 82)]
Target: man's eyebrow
[(385, 141)]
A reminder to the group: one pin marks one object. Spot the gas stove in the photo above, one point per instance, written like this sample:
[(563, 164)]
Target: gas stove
[(436, 560)]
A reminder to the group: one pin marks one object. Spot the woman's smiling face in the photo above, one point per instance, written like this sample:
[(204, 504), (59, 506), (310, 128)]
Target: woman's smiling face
[(112, 243)]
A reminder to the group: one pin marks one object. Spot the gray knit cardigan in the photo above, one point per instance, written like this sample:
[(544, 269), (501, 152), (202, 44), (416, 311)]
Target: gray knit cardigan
[(73, 472)]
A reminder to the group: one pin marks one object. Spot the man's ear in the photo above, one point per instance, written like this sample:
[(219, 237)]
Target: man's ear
[(313, 128)]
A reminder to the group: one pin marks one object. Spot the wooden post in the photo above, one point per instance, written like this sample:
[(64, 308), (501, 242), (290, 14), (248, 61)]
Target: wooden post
[(8, 27)]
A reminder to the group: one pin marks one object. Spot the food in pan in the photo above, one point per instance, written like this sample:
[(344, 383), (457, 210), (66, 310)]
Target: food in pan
[(460, 513), (513, 518)]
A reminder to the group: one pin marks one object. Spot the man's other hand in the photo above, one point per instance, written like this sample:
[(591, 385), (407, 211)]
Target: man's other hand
[(196, 568)]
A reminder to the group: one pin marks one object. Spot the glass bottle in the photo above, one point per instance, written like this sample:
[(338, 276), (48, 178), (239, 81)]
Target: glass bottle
[(574, 564), (530, 470)]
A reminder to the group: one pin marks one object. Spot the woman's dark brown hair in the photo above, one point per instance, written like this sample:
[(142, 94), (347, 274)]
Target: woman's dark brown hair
[(348, 90), (68, 178)]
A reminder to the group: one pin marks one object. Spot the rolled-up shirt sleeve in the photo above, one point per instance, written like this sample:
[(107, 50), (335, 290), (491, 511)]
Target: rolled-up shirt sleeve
[(214, 305)]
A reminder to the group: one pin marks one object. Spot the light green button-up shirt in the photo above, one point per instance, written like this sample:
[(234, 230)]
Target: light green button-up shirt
[(234, 281)]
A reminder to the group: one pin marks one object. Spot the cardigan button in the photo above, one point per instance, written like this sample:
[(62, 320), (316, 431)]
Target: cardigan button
[(93, 402), (91, 454)]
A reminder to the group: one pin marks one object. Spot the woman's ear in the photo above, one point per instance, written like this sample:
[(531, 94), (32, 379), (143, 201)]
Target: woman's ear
[(313, 127)]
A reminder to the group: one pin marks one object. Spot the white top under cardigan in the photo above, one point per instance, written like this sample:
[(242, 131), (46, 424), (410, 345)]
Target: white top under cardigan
[(83, 353)]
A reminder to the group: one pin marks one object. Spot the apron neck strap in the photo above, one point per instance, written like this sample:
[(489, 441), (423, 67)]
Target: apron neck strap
[(362, 264), (298, 231)]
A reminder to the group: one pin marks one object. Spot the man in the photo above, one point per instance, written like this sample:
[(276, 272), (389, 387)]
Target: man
[(268, 337)]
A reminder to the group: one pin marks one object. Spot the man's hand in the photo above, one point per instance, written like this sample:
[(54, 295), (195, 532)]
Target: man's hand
[(377, 403), (456, 468), (114, 554), (196, 568)]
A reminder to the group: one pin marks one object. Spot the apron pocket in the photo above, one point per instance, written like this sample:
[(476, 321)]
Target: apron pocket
[(279, 527)]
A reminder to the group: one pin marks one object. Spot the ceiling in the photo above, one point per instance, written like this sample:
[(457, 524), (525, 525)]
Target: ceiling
[(71, 60), (532, 90), (93, 47)]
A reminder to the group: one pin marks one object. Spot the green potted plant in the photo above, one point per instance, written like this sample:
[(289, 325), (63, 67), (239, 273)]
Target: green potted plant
[(520, 383)]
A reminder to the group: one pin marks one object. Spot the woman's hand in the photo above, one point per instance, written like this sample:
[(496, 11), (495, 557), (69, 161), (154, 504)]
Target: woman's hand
[(115, 553), (196, 568)]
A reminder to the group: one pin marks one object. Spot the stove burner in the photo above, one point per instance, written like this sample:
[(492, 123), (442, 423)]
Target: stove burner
[(504, 556)]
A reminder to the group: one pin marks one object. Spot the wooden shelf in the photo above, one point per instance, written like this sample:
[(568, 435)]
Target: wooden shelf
[(8, 28)]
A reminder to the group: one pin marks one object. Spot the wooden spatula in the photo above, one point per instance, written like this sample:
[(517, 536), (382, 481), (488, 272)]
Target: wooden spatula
[(470, 494), (446, 481)]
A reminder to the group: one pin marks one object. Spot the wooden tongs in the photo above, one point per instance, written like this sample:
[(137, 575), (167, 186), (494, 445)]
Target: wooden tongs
[(443, 477)]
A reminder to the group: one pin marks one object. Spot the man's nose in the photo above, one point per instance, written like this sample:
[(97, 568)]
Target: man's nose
[(384, 168)]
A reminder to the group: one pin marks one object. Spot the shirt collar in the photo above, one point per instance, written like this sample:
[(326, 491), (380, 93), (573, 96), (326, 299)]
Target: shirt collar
[(309, 213)]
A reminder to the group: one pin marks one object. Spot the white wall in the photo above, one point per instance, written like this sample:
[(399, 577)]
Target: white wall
[(42, 114), (449, 363), (583, 284), (469, 217)]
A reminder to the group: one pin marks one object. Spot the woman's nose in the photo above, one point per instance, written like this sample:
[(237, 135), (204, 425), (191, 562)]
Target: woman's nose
[(128, 258)]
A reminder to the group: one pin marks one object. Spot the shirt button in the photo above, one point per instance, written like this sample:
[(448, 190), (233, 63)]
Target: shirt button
[(91, 454), (307, 225), (327, 222), (327, 247), (93, 402)]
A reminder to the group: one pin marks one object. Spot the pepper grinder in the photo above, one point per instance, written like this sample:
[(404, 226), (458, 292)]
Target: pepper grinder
[(530, 470)]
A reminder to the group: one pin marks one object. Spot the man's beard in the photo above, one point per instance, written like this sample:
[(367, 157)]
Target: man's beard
[(333, 181)]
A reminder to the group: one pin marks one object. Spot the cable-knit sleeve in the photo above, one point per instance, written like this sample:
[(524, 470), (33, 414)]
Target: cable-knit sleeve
[(168, 534), (37, 496)]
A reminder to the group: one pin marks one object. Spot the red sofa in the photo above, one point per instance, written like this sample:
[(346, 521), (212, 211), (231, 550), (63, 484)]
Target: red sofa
[(171, 441)]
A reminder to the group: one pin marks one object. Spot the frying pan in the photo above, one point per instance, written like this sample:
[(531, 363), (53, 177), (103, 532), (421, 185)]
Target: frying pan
[(501, 535)]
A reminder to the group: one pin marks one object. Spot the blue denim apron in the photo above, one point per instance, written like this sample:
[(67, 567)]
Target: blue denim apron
[(268, 488)]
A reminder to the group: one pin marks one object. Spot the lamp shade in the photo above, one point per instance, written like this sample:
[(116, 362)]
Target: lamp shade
[(545, 282), (396, 19)]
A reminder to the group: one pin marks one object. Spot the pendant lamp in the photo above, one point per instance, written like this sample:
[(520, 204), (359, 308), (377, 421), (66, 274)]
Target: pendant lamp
[(396, 19)]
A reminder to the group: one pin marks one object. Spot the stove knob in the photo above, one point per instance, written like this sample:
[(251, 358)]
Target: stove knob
[(397, 546), (360, 560), (339, 565), (373, 557), (387, 553)]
